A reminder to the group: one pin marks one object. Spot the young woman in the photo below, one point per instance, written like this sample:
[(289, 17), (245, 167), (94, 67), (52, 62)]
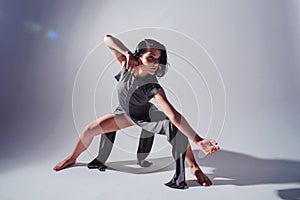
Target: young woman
[(137, 85)]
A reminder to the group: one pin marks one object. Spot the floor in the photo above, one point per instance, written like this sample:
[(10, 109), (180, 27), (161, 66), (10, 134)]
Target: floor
[(235, 175)]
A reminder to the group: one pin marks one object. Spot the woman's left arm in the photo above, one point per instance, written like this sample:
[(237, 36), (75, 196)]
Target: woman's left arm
[(208, 146), (176, 118)]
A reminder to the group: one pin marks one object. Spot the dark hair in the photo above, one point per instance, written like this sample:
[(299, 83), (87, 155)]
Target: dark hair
[(144, 45)]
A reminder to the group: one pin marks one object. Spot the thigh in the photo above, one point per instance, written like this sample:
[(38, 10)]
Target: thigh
[(109, 123)]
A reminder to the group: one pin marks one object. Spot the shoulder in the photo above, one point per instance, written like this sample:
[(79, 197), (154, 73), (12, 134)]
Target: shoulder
[(152, 88)]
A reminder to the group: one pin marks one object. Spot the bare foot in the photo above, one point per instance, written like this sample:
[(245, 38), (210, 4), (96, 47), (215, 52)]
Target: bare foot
[(202, 178), (63, 164), (208, 146)]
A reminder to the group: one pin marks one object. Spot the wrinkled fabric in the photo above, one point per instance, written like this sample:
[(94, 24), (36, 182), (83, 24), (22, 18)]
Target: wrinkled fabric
[(134, 94)]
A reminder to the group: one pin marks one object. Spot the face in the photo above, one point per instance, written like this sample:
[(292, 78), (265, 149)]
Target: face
[(150, 61)]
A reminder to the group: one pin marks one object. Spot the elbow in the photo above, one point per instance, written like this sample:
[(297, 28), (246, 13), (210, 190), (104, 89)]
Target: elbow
[(106, 37)]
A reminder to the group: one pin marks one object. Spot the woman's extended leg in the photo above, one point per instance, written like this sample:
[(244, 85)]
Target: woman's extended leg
[(105, 124)]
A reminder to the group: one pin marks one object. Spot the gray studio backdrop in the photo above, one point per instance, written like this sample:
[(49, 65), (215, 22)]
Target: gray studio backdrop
[(254, 44)]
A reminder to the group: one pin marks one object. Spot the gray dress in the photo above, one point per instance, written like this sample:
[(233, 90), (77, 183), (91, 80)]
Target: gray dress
[(134, 94)]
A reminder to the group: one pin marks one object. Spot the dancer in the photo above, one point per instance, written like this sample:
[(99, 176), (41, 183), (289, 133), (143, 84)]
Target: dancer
[(138, 84)]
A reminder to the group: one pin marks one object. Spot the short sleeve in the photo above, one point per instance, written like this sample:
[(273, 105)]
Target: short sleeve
[(154, 89), (121, 73)]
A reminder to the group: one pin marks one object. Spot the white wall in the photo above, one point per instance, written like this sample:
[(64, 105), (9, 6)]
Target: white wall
[(255, 45)]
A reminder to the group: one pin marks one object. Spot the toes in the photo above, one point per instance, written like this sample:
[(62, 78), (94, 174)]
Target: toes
[(209, 183), (202, 179), (56, 168), (63, 164)]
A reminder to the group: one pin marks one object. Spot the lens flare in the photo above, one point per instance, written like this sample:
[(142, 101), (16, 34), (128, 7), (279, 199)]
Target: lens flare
[(52, 35)]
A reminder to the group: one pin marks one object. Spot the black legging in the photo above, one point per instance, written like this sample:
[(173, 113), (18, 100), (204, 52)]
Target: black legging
[(179, 144), (106, 143), (162, 125), (158, 121)]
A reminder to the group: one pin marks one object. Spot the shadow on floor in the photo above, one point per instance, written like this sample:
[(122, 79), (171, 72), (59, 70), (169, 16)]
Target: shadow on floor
[(242, 169), (131, 166), (289, 194), (229, 168)]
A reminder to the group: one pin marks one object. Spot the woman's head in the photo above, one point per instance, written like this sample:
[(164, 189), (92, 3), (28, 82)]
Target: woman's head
[(153, 55)]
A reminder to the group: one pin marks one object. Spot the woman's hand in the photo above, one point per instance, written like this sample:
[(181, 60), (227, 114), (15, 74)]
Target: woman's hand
[(208, 146), (131, 61)]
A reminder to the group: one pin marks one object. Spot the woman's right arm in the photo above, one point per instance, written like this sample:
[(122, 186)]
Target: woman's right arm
[(119, 50)]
